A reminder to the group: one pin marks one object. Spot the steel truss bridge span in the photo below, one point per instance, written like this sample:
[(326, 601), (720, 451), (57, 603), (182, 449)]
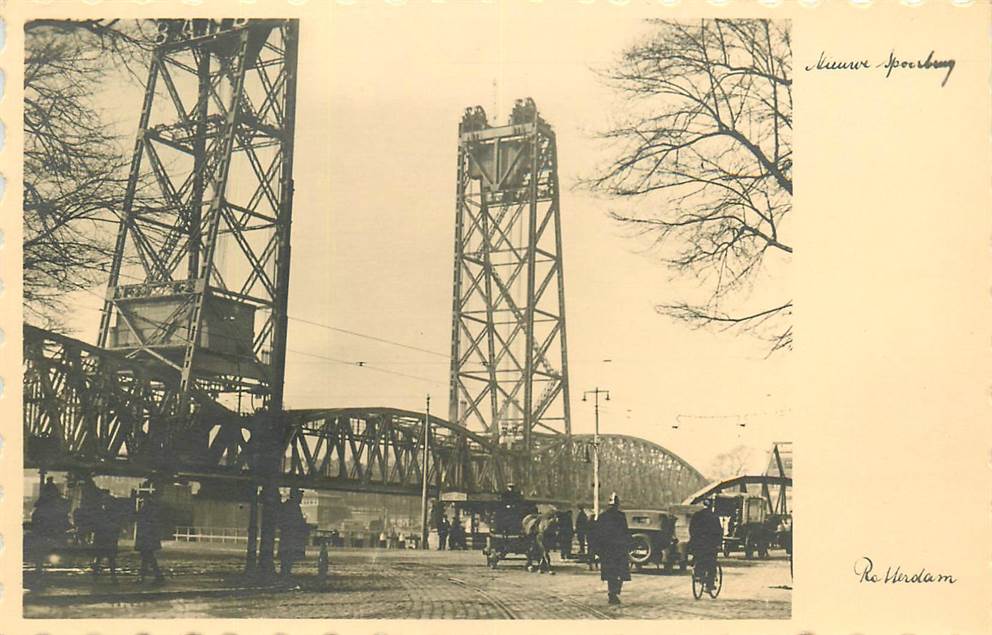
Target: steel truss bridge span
[(97, 411)]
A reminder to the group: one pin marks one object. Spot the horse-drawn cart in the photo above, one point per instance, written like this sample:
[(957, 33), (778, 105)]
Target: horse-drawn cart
[(506, 531)]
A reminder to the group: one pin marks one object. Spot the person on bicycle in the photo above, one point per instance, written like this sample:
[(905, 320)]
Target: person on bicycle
[(705, 539)]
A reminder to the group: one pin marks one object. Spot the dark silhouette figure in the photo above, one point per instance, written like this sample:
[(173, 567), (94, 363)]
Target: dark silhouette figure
[(107, 531), (613, 545), (86, 515), (49, 522), (581, 529), (705, 539), (456, 535), (592, 549), (565, 533), (443, 527), (148, 535), (293, 532)]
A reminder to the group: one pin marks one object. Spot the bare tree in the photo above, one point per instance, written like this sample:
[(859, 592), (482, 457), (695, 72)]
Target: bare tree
[(703, 147), (730, 464), (75, 170)]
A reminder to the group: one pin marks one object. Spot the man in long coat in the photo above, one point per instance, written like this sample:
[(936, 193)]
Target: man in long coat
[(565, 533), (293, 532), (148, 535), (581, 529), (613, 543)]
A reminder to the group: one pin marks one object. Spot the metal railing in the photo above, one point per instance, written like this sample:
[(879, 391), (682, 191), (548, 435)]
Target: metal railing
[(210, 534)]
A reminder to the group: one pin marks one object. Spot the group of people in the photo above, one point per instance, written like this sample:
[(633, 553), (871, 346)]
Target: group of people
[(293, 532), (605, 541), (451, 534), (610, 540), (99, 520)]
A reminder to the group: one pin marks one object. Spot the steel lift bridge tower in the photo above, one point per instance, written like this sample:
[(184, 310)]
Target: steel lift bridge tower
[(200, 275), (509, 363), (199, 280)]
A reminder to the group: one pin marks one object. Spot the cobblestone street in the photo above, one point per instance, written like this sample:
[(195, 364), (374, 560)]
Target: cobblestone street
[(396, 584)]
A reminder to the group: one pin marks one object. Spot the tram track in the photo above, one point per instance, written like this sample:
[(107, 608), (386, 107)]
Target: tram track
[(500, 605), (503, 607)]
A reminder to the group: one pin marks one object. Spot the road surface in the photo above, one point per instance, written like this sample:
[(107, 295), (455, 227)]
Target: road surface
[(395, 584)]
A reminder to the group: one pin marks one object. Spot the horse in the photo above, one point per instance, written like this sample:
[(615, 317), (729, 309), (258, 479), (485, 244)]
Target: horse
[(541, 530)]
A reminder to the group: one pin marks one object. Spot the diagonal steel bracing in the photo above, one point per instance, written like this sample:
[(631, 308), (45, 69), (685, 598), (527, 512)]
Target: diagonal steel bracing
[(200, 275), (509, 364)]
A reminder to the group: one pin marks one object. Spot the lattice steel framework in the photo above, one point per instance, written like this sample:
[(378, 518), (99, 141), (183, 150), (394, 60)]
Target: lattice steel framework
[(200, 275), (94, 410), (509, 363)]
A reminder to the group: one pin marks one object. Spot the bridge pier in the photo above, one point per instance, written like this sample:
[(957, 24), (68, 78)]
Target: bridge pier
[(251, 555), (267, 544)]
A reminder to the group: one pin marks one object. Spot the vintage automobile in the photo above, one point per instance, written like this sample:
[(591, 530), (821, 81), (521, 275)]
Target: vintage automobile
[(654, 539), (680, 550), (747, 525)]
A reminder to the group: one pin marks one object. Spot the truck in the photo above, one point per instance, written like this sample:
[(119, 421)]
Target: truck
[(747, 524)]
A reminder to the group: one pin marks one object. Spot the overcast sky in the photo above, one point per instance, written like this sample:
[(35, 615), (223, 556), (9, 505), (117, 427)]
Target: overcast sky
[(380, 97)]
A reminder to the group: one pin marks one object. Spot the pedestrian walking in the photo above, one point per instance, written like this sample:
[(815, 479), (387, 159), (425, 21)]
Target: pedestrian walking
[(86, 514), (443, 526), (293, 531), (581, 529), (456, 536), (107, 532), (148, 535), (565, 533), (613, 545), (49, 522)]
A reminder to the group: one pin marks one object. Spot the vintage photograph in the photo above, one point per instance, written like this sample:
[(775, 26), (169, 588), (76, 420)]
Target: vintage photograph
[(295, 307)]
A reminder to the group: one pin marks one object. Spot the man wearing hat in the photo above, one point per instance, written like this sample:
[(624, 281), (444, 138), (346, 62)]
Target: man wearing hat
[(613, 540)]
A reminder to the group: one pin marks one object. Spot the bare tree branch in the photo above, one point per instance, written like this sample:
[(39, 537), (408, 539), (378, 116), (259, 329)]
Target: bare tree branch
[(704, 147), (75, 170)]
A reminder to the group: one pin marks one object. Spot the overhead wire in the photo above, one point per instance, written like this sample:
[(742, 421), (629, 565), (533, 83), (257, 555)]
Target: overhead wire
[(354, 364)]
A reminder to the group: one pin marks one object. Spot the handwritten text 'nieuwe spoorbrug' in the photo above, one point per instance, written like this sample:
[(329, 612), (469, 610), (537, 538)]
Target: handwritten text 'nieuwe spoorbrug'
[(895, 64)]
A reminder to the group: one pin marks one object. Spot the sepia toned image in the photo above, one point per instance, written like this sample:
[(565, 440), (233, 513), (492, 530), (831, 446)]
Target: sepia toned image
[(240, 331), (415, 316)]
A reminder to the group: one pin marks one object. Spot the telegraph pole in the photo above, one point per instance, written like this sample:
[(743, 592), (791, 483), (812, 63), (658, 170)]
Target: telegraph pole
[(595, 444), (423, 490)]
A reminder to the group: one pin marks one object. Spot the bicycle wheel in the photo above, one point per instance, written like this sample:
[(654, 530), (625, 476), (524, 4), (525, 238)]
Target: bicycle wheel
[(717, 582), (697, 585)]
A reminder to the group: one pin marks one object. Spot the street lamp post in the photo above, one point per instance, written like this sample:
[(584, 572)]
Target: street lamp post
[(423, 490), (595, 443)]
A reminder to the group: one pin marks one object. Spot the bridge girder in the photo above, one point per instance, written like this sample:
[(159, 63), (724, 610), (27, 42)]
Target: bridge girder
[(94, 410)]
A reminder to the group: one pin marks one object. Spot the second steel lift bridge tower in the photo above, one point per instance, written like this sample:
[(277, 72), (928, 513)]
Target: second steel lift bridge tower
[(509, 363)]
